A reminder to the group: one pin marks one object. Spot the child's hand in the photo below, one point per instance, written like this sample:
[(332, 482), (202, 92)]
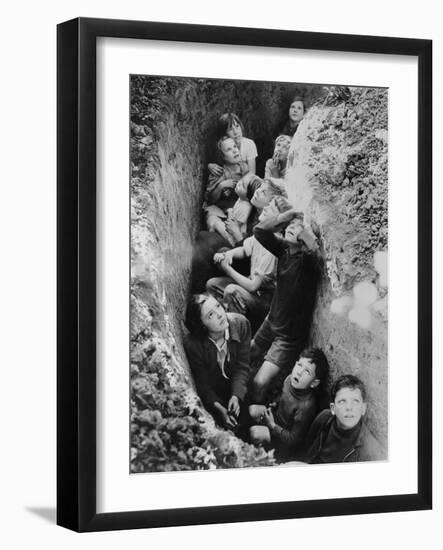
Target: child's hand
[(241, 189), (219, 257), (268, 419), (234, 406), (227, 420), (309, 238), (215, 169), (227, 257)]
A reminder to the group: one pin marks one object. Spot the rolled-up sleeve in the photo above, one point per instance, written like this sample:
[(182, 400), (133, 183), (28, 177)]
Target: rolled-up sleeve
[(269, 240)]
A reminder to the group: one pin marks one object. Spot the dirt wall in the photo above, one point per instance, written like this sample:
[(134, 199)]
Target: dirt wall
[(338, 175)]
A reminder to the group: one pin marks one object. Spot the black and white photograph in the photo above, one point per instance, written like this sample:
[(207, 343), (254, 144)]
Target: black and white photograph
[(259, 273)]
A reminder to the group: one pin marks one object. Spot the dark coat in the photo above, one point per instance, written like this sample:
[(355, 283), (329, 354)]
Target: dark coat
[(298, 275), (364, 448), (211, 385)]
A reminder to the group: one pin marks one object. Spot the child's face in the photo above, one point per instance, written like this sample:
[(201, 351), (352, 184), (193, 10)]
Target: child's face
[(293, 231), (296, 111), (348, 407), (262, 196), (230, 152), (303, 375), (213, 316), (281, 149), (269, 211), (235, 132)]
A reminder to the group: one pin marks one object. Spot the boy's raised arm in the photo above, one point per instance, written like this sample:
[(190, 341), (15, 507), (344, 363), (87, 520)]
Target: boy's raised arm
[(269, 240)]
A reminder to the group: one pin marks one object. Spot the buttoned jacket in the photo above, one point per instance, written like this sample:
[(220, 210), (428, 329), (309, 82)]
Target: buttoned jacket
[(212, 384)]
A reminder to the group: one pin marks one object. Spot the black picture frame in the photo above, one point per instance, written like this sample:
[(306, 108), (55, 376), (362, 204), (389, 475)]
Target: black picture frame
[(76, 280)]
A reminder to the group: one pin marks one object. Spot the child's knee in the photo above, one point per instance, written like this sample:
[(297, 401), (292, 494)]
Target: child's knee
[(211, 222), (259, 434), (265, 374), (231, 291), (256, 412), (211, 284), (262, 380)]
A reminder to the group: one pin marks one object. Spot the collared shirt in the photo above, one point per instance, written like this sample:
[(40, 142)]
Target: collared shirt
[(210, 383), (222, 353)]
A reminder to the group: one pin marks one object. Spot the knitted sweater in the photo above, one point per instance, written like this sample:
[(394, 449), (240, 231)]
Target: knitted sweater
[(326, 442)]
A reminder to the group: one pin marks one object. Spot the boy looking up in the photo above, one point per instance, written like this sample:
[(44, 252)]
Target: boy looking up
[(296, 407), (284, 332), (339, 434)]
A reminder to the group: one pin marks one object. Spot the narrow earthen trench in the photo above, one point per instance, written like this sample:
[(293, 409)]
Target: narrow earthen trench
[(172, 122)]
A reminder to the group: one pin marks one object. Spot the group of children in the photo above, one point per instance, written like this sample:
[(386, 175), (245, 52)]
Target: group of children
[(248, 331)]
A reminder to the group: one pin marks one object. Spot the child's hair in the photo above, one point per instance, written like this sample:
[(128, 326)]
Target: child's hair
[(282, 137), (283, 121), (225, 122), (316, 356), (220, 143), (221, 157), (193, 320), (254, 183), (348, 381), (298, 98), (322, 373)]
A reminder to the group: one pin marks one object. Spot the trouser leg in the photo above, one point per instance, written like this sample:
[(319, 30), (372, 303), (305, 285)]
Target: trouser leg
[(217, 285)]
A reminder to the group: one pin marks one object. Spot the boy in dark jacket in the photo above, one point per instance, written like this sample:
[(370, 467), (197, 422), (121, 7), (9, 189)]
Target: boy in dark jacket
[(340, 434)]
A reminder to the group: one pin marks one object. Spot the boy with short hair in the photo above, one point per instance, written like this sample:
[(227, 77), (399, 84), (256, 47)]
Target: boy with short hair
[(339, 434), (284, 332), (296, 409)]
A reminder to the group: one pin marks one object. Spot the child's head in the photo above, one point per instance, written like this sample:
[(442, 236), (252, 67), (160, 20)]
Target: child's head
[(281, 148), (265, 193), (296, 109), (348, 401), (278, 205), (294, 229), (230, 125), (204, 316), (228, 150), (310, 371), (246, 185)]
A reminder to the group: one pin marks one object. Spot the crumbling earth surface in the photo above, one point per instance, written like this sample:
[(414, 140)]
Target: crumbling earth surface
[(338, 175)]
